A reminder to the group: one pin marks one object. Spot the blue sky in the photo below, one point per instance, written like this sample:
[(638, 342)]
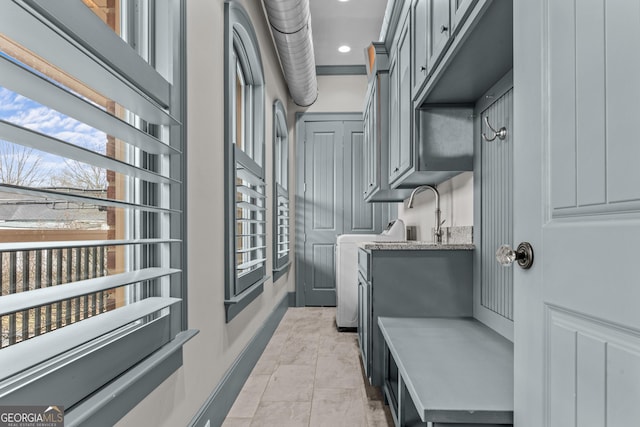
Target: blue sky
[(22, 111), (17, 109), (26, 112)]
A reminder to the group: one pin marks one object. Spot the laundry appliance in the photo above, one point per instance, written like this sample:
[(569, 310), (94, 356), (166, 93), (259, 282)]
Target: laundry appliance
[(347, 270)]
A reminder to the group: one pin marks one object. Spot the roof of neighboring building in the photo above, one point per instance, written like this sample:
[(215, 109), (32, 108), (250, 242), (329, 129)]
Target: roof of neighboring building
[(29, 208)]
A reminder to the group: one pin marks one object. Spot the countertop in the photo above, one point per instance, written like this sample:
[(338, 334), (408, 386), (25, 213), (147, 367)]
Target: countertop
[(412, 245), (456, 370)]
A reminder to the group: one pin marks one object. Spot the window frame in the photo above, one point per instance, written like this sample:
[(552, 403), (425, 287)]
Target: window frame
[(112, 394), (281, 189), (241, 45)]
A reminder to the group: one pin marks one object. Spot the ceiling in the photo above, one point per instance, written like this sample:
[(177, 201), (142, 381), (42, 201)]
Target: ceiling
[(334, 23)]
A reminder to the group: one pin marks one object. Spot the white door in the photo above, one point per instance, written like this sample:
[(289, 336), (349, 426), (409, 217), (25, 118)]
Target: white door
[(577, 201)]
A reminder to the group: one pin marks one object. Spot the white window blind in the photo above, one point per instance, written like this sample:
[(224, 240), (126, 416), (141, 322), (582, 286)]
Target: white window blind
[(250, 228), (283, 225), (281, 183), (91, 155)]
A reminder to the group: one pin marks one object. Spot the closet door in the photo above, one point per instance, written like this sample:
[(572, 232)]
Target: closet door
[(330, 201), (577, 201)]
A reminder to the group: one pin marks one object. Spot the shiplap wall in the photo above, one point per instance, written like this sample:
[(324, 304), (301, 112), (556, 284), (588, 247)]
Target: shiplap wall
[(497, 208)]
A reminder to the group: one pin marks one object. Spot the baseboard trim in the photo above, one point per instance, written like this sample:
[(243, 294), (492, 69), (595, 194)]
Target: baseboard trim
[(219, 403), (292, 299)]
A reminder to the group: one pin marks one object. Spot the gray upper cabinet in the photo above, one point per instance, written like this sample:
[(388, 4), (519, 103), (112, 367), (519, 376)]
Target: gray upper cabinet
[(444, 54), (439, 30), (400, 148), (377, 129), (435, 23), (433, 144), (477, 53), (419, 39)]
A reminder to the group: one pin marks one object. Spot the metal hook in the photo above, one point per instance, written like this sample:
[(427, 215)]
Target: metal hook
[(500, 133)]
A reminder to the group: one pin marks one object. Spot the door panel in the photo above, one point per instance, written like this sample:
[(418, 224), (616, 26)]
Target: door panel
[(594, 364), (592, 105), (622, 107), (577, 323), (323, 208), (324, 166), (323, 261)]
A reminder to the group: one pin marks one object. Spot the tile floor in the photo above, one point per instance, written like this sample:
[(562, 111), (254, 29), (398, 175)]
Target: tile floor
[(309, 375)]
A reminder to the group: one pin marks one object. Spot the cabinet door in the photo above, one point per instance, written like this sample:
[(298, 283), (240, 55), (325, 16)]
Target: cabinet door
[(369, 153), (438, 13), (459, 11), (361, 333), (372, 150), (405, 155), (364, 323), (394, 115), (419, 33)]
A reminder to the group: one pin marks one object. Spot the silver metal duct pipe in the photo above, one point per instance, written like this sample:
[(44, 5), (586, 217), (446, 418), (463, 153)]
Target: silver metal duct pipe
[(290, 22)]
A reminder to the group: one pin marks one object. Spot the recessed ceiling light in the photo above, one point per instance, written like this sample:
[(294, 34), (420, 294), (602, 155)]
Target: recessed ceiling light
[(342, 1), (344, 49)]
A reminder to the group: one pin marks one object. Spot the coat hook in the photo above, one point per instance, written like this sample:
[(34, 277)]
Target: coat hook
[(500, 133)]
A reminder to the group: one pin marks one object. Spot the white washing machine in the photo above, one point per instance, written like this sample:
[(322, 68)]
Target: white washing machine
[(347, 270)]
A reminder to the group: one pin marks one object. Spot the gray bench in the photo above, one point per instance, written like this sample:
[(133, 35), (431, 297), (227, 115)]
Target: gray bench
[(448, 372)]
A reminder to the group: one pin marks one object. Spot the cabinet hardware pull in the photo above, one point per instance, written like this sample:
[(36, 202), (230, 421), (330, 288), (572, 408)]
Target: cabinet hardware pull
[(443, 28), (423, 68), (501, 133)]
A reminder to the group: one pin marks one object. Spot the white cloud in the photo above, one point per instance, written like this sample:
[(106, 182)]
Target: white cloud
[(11, 102), (22, 111), (92, 140)]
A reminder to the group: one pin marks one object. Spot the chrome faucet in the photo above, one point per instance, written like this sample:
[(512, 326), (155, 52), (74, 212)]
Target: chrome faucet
[(437, 235)]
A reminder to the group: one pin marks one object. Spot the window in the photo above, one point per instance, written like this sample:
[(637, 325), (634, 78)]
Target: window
[(91, 163), (281, 244), (244, 151)]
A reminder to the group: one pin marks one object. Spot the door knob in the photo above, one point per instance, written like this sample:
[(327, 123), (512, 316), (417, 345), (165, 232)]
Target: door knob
[(523, 255), (444, 29)]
